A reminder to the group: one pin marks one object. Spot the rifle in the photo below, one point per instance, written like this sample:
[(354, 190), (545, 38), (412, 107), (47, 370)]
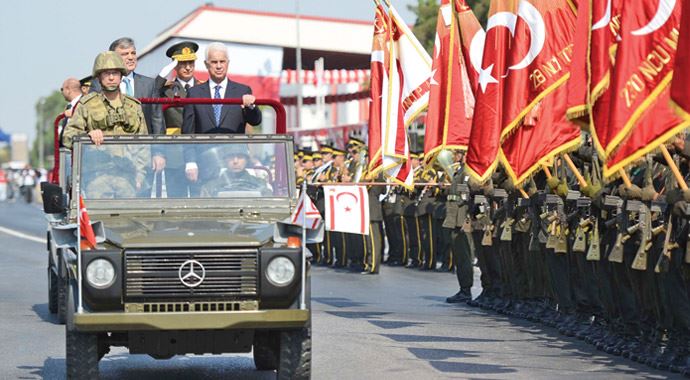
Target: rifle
[(481, 203), (615, 204)]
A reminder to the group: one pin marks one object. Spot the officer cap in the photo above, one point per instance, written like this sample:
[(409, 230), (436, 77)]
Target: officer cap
[(108, 60), (325, 149), (355, 142), (307, 157), (338, 152), (317, 156), (86, 81), (183, 51)]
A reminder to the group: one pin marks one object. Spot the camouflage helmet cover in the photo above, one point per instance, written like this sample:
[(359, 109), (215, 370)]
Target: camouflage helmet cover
[(108, 60)]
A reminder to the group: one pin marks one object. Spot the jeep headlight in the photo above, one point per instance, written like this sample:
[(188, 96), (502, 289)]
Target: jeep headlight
[(100, 273), (280, 271)]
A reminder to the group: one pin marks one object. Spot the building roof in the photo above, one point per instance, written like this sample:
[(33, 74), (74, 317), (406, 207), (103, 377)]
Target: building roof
[(213, 23)]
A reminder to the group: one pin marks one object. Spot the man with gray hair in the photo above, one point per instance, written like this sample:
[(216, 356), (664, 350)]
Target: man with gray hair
[(217, 118), (137, 85)]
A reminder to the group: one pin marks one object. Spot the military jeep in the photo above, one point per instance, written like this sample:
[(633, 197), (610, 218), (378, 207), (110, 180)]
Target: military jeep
[(179, 266)]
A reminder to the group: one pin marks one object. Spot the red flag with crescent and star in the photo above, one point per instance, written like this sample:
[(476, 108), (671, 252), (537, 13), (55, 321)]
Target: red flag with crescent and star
[(85, 226), (451, 103), (540, 57), (306, 214), (347, 209), (641, 116), (680, 87), (578, 85), (485, 137)]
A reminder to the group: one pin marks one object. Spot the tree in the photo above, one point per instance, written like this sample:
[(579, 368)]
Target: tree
[(427, 12), (47, 109)]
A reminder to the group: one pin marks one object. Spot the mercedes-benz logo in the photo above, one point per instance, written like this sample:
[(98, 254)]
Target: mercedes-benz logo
[(191, 273)]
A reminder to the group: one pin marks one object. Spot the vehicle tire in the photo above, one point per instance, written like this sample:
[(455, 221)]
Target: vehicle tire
[(61, 300), (81, 348), (295, 354), (266, 350), (52, 292)]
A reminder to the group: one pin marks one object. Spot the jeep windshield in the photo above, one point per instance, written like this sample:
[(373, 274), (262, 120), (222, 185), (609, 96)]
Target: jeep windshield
[(197, 168)]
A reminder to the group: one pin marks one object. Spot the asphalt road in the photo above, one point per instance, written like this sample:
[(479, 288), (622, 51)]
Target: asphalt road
[(391, 326)]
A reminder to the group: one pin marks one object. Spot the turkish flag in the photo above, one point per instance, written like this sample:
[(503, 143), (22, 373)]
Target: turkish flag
[(380, 56), (578, 84), (540, 57), (85, 226), (306, 214), (546, 134), (657, 125), (451, 103), (347, 209), (537, 84), (605, 37), (643, 70), (485, 137), (680, 87)]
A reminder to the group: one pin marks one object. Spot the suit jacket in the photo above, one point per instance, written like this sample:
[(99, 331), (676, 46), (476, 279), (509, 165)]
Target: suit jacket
[(145, 87), (199, 118)]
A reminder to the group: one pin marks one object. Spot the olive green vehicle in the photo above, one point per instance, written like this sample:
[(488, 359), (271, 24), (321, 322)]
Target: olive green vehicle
[(180, 267)]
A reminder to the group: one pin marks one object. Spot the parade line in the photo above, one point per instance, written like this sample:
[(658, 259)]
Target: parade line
[(22, 235)]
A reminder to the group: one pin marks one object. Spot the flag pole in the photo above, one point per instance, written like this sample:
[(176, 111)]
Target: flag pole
[(303, 304), (80, 306)]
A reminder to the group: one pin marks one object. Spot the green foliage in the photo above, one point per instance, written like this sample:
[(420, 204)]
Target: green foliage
[(425, 26), (47, 109), (427, 13)]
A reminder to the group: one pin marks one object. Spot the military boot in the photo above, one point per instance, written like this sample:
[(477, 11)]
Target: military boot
[(463, 295)]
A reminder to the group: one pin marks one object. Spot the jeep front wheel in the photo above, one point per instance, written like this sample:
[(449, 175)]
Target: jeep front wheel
[(295, 354), (61, 299), (266, 350)]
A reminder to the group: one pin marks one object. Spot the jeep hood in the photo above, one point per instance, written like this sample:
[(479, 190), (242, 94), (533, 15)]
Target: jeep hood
[(185, 232)]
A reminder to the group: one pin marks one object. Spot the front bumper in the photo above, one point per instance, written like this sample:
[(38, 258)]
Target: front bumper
[(257, 319)]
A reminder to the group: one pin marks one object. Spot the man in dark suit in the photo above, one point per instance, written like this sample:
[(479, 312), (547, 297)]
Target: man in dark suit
[(205, 118)]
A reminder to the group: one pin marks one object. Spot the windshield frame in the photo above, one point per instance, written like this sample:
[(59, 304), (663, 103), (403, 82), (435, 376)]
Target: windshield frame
[(148, 205)]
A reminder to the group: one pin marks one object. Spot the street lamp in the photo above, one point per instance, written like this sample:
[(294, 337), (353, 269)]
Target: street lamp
[(41, 128), (298, 63)]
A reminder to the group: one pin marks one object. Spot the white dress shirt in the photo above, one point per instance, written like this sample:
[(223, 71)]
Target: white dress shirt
[(212, 86), (183, 83)]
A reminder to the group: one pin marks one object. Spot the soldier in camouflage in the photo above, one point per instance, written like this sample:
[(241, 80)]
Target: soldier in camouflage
[(108, 112)]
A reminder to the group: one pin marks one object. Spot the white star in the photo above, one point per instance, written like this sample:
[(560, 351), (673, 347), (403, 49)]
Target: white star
[(485, 77), (432, 79)]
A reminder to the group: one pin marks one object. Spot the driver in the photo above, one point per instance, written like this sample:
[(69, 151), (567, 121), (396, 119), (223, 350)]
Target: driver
[(235, 177)]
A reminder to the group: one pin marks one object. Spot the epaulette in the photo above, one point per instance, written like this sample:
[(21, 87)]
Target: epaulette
[(132, 98), (88, 97)]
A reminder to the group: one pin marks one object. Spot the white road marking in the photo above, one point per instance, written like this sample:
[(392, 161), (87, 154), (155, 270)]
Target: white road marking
[(22, 235)]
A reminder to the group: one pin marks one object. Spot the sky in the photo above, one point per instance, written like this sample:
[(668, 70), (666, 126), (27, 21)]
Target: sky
[(46, 41)]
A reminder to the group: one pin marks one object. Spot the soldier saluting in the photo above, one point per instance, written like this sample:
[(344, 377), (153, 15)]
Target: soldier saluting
[(107, 112)]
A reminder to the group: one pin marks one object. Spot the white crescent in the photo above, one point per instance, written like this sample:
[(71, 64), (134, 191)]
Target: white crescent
[(662, 15), (537, 28), (606, 20), (506, 19)]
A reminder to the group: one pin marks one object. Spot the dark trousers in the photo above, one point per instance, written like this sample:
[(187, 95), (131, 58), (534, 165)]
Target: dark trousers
[(339, 244), (414, 233), (428, 241), (460, 248), (559, 275), (396, 239), (374, 248)]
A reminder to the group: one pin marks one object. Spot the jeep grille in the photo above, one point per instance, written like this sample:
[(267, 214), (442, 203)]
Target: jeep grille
[(155, 274)]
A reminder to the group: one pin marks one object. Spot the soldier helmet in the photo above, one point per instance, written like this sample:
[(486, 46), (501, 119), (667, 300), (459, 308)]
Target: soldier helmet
[(108, 60), (236, 150)]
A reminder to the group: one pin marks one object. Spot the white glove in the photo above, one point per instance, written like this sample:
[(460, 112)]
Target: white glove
[(167, 71)]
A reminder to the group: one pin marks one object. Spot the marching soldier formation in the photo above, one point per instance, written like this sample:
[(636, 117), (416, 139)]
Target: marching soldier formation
[(604, 262)]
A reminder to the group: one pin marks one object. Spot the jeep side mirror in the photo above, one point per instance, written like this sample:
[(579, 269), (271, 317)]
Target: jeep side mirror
[(53, 198)]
